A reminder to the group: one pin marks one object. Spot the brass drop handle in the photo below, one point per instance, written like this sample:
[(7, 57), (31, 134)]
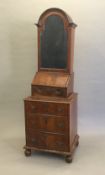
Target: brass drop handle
[(38, 90), (58, 92), (61, 125), (58, 143), (33, 107), (34, 140), (60, 109)]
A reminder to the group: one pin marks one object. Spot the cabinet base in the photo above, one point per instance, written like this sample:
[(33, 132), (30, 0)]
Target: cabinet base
[(68, 155)]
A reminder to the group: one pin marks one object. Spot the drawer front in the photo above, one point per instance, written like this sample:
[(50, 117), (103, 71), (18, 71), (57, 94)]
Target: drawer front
[(35, 139), (56, 142), (48, 123), (49, 91), (47, 108), (46, 141)]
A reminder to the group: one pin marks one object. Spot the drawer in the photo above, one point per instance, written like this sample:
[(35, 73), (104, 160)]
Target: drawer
[(56, 142), (49, 91), (62, 109), (35, 139), (47, 123), (47, 108), (46, 141), (32, 138)]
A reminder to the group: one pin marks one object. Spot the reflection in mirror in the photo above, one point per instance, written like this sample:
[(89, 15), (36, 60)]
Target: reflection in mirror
[(53, 44)]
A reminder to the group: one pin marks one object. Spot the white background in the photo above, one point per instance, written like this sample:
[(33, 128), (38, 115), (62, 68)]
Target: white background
[(18, 64)]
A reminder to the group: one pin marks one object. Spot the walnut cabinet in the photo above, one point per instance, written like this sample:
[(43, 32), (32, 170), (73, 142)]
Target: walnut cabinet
[(51, 110)]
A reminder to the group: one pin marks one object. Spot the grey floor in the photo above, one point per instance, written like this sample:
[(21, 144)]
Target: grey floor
[(89, 158)]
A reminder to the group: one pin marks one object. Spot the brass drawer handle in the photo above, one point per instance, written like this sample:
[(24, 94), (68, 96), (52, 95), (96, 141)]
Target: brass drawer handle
[(39, 90), (33, 140), (58, 92), (60, 110), (58, 143), (61, 125), (33, 107)]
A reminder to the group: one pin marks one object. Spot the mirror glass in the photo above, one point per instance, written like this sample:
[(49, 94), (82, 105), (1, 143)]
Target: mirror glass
[(53, 48)]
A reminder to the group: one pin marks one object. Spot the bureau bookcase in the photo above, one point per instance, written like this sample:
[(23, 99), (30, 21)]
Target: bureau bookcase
[(51, 110)]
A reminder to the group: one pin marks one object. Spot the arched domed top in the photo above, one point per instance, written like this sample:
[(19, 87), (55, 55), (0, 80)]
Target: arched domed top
[(55, 41), (56, 11)]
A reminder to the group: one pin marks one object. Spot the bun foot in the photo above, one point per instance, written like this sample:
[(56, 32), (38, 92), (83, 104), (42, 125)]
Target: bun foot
[(27, 152), (68, 159)]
